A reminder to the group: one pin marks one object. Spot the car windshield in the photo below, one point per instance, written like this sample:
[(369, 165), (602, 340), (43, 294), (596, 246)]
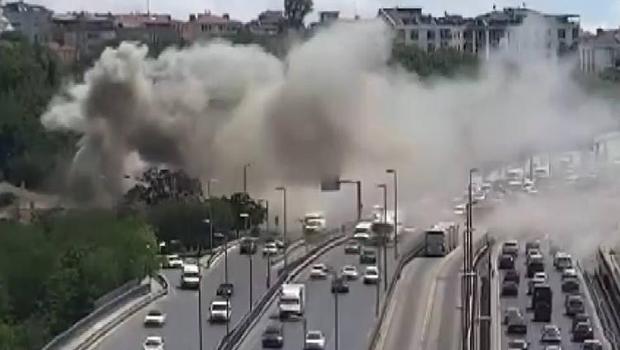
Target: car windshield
[(154, 313), (314, 335), (153, 342), (218, 306), (272, 330), (288, 301)]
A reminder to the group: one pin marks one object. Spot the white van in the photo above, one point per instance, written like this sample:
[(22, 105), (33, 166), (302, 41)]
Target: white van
[(190, 279)]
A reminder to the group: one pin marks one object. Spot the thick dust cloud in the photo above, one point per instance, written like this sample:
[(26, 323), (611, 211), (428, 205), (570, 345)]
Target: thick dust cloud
[(334, 105)]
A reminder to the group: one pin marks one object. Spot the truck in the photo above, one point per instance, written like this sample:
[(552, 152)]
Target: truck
[(441, 239), (190, 278), (541, 302), (314, 223), (291, 300)]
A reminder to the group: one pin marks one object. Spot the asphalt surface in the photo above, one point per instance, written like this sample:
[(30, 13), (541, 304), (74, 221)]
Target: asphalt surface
[(558, 318), (181, 306), (356, 308), (408, 317)]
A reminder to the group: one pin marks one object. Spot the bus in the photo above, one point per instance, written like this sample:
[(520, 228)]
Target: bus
[(441, 239)]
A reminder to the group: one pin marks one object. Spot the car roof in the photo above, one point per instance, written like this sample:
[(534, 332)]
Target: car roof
[(154, 338)]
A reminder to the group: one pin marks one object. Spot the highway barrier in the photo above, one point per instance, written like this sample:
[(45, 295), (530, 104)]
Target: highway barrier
[(605, 290), (240, 330), (481, 248), (415, 250), (61, 340)]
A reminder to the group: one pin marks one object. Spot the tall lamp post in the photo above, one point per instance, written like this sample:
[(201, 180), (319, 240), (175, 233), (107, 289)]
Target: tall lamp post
[(208, 221), (336, 316), (393, 172), (283, 189), (383, 240), (267, 213), (246, 218)]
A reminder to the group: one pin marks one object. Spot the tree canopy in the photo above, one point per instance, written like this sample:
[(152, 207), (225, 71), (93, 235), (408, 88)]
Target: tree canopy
[(29, 76), (446, 62), (296, 10), (51, 272)]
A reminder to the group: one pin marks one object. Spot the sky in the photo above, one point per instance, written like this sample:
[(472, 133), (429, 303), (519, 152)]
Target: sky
[(595, 13)]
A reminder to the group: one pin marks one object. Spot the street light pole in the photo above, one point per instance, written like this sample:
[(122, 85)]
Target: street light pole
[(384, 238), (209, 181), (393, 172), (199, 306), (283, 189), (246, 217)]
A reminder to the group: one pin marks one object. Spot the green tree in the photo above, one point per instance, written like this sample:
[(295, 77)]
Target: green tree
[(443, 62), (295, 11)]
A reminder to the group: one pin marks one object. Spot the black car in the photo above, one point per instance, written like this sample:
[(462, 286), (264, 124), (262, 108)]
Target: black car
[(506, 262), (532, 245), (340, 285), (247, 246), (570, 285), (512, 275), (368, 256), (516, 325), (580, 317), (273, 336), (510, 289), (225, 290), (352, 247), (582, 331)]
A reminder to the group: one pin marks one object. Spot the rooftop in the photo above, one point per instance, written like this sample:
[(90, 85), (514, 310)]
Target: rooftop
[(20, 6), (605, 38), (136, 20)]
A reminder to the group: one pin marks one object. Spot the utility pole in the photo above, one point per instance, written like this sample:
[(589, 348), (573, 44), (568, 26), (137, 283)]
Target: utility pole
[(393, 172), (283, 189), (245, 178), (199, 304), (384, 237)]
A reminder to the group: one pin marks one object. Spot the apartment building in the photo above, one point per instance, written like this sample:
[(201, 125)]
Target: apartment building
[(81, 36), (494, 29), (156, 30), (205, 26), (268, 23), (600, 53), (5, 25), (32, 21)]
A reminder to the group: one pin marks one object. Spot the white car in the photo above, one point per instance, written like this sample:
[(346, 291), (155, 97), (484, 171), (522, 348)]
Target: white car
[(349, 272), (371, 275), (538, 278), (173, 261), (460, 209), (315, 340), (219, 311), (270, 248), (361, 236), (153, 343), (155, 318), (318, 271)]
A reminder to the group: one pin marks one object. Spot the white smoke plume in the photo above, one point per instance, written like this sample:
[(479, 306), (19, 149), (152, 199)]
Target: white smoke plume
[(333, 106)]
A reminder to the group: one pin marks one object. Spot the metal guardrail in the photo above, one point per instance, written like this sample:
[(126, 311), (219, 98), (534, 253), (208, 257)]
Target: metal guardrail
[(481, 248), (59, 342), (231, 340), (608, 295), (406, 259), (93, 338)]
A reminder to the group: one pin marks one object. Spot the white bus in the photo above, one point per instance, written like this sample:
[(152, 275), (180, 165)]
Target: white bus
[(292, 300), (441, 239), (314, 223)]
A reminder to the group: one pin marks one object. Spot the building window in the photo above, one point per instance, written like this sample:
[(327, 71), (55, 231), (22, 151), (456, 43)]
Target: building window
[(445, 34), (431, 47), (430, 35), (575, 33), (414, 34), (561, 33)]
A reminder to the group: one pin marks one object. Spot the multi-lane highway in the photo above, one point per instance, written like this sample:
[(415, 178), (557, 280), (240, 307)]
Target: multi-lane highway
[(523, 301), (356, 308), (181, 306)]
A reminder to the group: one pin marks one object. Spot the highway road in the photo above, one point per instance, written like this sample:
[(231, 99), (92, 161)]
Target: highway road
[(181, 306), (356, 308), (523, 301)]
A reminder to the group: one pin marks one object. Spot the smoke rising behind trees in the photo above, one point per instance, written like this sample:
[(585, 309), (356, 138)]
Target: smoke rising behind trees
[(335, 105)]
